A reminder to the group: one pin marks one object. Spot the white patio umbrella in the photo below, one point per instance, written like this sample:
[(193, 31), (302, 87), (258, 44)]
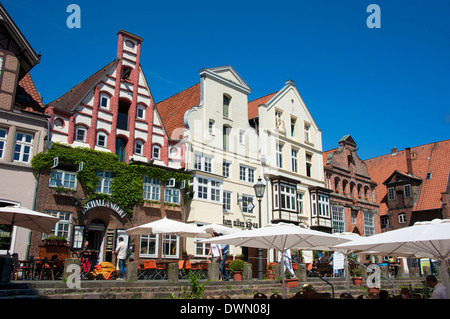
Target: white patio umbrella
[(281, 237), (26, 218), (209, 229), (168, 227), (424, 239), (346, 252)]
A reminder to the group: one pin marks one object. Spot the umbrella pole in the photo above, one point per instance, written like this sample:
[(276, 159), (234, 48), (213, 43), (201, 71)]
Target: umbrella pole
[(445, 278), (347, 274), (283, 274)]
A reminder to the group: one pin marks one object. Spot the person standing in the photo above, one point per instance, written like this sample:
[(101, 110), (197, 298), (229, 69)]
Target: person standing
[(121, 251), (215, 251), (224, 248)]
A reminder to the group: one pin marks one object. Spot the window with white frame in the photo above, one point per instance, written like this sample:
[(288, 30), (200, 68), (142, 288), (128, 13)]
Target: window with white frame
[(227, 200), (172, 195), (369, 224), (208, 189), (293, 125), (101, 139), (202, 162), (309, 165), (407, 192), (338, 219), (3, 136), (307, 132), (300, 204), (201, 249), (148, 246), (402, 218), (60, 178), (246, 200), (202, 188), (140, 112), (104, 101), (324, 207), (278, 118), (215, 190), (288, 197), (63, 226), (156, 152), (246, 174), (226, 169), (294, 154), (78, 236), (139, 148), (152, 189), (104, 186), (276, 202), (23, 147), (170, 246), (391, 193), (80, 134), (353, 216), (279, 155)]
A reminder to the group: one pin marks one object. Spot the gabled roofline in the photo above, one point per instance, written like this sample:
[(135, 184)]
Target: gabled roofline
[(403, 174), (211, 72)]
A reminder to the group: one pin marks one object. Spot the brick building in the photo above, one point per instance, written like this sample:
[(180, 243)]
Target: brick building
[(111, 165), (413, 184), (353, 199)]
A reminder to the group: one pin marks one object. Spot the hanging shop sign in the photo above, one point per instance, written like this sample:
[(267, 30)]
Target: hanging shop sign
[(103, 203)]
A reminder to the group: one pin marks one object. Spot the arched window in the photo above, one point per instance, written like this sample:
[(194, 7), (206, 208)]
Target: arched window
[(102, 139), (121, 146), (140, 112), (139, 148), (122, 115), (156, 152), (226, 106), (402, 218), (104, 101)]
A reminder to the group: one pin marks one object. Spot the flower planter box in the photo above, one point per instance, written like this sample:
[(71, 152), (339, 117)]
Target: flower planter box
[(291, 283), (237, 276), (357, 281), (152, 205)]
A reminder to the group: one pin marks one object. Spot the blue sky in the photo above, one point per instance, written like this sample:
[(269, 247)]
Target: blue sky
[(387, 87)]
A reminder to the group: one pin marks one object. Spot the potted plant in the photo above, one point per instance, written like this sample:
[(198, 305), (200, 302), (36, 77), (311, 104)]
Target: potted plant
[(236, 268), (308, 290), (290, 282), (55, 240), (357, 273)]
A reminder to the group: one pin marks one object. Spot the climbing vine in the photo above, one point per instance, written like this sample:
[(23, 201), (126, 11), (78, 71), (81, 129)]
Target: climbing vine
[(127, 183)]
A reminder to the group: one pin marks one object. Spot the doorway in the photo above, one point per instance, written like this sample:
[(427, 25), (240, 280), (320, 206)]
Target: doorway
[(95, 237)]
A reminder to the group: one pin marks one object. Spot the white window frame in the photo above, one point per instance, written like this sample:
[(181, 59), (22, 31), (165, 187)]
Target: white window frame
[(211, 127), (279, 154), (226, 199), (208, 189), (170, 240), (294, 160), (140, 112), (156, 152), (226, 169), (203, 162), (66, 179), (62, 228), (172, 195), (215, 187), (323, 203), (139, 147), (293, 126), (300, 203), (80, 129), (241, 137), (338, 218), (151, 189), (23, 147), (107, 98), (369, 224), (105, 141), (246, 174), (309, 164), (105, 184), (288, 197), (148, 239), (3, 140), (201, 187), (402, 218), (245, 200), (307, 127), (276, 200)]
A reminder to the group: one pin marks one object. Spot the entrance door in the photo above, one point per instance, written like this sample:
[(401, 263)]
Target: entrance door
[(96, 235)]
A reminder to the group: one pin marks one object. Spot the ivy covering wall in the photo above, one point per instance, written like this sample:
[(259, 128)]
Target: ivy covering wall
[(127, 183)]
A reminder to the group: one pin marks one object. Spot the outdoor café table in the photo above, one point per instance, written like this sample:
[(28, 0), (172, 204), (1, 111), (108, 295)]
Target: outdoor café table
[(32, 265)]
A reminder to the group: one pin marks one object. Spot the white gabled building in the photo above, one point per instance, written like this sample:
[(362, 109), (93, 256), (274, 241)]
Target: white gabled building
[(291, 148)]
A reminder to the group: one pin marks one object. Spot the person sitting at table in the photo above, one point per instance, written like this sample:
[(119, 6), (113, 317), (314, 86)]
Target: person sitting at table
[(324, 258)]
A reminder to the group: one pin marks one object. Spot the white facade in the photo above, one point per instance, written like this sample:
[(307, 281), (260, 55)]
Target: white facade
[(222, 154)]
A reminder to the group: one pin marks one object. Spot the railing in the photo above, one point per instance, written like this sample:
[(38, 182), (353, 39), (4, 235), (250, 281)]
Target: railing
[(392, 283), (320, 277)]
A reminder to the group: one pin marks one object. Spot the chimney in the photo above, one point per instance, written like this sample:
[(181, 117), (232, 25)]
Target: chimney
[(409, 161), (393, 151)]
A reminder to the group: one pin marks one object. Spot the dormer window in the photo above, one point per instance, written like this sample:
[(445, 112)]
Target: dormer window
[(104, 101)]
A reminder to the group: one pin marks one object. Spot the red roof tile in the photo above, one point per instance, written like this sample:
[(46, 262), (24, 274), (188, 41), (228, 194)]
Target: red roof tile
[(431, 158), (69, 100), (253, 105), (27, 97), (172, 109)]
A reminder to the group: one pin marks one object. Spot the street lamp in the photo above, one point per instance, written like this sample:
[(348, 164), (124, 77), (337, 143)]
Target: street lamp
[(259, 188)]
